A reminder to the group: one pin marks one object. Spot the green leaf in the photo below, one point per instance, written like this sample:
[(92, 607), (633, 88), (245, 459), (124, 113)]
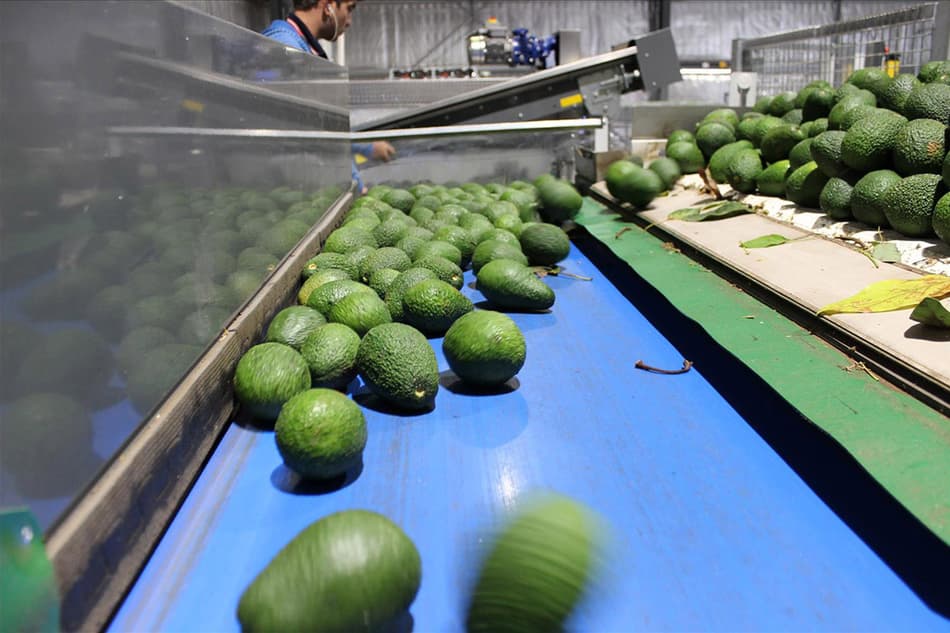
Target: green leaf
[(715, 211), (886, 252), (931, 312), (765, 241), (684, 214)]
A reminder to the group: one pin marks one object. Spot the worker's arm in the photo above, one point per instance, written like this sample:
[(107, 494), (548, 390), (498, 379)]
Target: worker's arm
[(380, 150)]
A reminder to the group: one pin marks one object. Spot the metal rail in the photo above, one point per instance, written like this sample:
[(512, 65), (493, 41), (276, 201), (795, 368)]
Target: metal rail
[(317, 135)]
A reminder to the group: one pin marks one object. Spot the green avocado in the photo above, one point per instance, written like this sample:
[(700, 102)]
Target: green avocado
[(510, 285), (398, 365), (350, 571)]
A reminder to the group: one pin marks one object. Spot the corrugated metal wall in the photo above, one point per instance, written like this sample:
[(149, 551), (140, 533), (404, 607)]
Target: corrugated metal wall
[(406, 33), (251, 14)]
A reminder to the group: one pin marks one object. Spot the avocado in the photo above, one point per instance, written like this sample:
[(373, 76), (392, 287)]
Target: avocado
[(848, 103), (267, 376), (743, 169), (782, 103), (440, 248), (804, 185), (399, 199), (874, 80), (762, 105), (444, 269), (867, 145), (323, 261), (763, 126), (929, 101), (896, 94), (909, 204), (920, 147), (398, 365), (381, 279), (385, 257), (720, 160), (350, 571), (509, 223), (726, 116), (348, 238), (461, 239), (854, 115), (936, 71), (477, 226), (400, 285), (493, 249), (771, 180), (317, 279), (680, 135), (73, 360), (485, 348), (941, 218), (137, 344), (292, 325), (793, 117), (818, 104), (527, 203), (667, 169), (835, 198), (501, 235), (560, 201), (826, 152), (360, 311), (510, 285), (711, 136), (536, 570), (330, 352), (779, 141), (687, 155), (42, 429), (204, 325), (867, 198), (389, 232), (320, 434), (432, 306), (544, 244), (745, 130), (800, 153), (632, 184), (150, 377), (322, 299), (283, 236), (812, 129)]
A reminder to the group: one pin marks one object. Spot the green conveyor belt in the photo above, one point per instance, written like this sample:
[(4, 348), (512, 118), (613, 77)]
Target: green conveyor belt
[(902, 443)]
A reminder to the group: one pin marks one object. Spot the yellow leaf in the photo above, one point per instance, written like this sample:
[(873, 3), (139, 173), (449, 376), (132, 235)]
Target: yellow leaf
[(892, 294)]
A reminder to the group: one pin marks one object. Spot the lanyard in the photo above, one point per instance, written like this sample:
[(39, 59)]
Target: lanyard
[(305, 33)]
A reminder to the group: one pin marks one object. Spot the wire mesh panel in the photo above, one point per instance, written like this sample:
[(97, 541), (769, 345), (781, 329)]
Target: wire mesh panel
[(904, 40)]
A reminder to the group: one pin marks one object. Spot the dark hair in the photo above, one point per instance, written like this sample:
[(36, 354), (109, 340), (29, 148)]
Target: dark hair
[(303, 5)]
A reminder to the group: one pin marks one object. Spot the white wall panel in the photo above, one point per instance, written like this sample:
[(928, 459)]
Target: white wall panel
[(705, 29)]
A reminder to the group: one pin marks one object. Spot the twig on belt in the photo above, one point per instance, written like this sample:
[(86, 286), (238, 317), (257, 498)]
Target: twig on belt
[(711, 185), (669, 372)]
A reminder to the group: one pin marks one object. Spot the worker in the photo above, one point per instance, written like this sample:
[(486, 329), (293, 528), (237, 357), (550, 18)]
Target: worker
[(310, 22)]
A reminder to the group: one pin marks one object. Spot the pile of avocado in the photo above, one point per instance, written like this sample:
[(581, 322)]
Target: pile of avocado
[(873, 150), (140, 288), (384, 283)]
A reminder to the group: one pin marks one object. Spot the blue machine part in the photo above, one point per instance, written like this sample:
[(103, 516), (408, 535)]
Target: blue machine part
[(710, 528), (528, 50)]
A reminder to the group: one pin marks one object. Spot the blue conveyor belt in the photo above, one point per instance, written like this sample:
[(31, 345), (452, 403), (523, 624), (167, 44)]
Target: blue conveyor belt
[(710, 528)]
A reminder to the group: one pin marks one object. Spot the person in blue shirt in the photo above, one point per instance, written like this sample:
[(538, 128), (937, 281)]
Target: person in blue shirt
[(310, 22)]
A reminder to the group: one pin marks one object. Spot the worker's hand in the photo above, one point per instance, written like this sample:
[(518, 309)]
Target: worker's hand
[(383, 151)]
